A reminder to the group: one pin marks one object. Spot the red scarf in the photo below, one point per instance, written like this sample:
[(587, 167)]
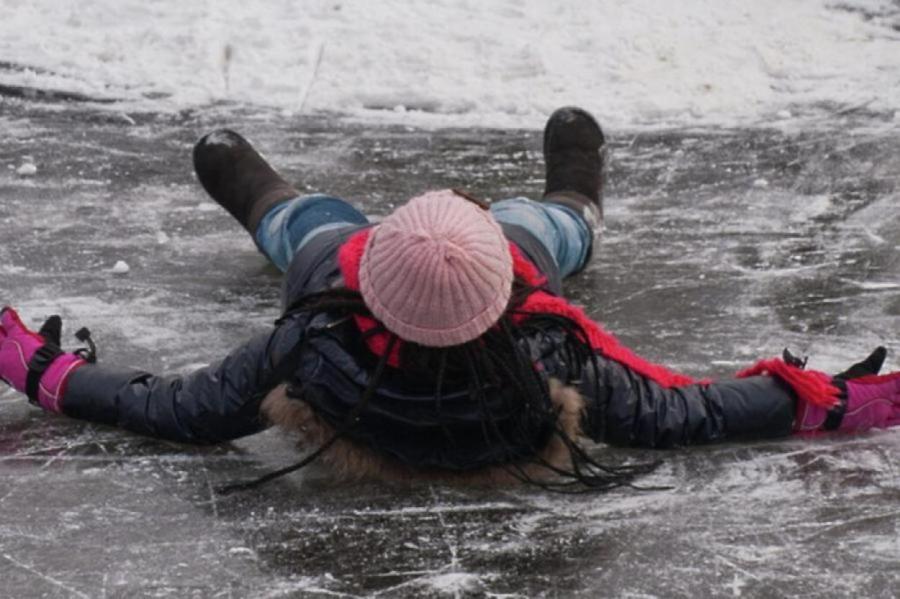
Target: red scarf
[(814, 387)]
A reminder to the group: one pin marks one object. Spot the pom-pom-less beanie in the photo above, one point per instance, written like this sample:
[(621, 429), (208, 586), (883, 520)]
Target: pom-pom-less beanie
[(437, 271)]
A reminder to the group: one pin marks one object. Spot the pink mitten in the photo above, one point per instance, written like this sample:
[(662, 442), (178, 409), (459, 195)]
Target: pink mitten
[(868, 402), (33, 363)]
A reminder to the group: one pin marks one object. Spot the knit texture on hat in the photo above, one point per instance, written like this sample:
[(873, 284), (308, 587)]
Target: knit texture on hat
[(437, 271), (811, 386)]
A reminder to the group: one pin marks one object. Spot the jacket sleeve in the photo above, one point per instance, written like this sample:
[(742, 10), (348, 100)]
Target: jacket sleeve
[(215, 403), (624, 408)]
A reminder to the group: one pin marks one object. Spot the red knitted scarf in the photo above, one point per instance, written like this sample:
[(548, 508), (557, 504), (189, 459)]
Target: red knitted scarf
[(811, 386)]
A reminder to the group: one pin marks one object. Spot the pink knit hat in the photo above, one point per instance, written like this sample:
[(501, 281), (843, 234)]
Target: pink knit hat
[(437, 271)]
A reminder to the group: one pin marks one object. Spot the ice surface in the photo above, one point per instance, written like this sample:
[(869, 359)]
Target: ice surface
[(721, 246), (489, 63), (698, 268)]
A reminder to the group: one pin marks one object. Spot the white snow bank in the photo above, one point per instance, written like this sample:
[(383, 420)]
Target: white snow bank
[(465, 62)]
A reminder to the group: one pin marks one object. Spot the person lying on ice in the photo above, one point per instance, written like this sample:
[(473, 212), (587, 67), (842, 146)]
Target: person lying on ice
[(437, 343)]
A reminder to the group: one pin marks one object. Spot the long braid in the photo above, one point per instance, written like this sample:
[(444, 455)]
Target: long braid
[(349, 423), (585, 470), (497, 358)]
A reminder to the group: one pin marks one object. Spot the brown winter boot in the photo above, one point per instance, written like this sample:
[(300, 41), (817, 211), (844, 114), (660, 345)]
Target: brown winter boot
[(238, 178), (574, 153)]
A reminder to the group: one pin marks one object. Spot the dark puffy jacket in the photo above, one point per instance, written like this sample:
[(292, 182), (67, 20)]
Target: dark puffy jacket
[(221, 401)]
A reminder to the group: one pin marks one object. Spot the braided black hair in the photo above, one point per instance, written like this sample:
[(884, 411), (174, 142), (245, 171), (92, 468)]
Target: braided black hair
[(496, 359)]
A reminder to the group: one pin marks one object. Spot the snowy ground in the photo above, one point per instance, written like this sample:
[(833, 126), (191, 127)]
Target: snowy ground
[(754, 203)]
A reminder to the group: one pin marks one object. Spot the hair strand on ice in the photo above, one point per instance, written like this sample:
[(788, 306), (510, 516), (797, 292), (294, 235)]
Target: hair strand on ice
[(497, 359)]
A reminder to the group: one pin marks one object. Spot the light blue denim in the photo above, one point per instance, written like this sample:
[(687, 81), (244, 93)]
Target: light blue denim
[(289, 226), (562, 231)]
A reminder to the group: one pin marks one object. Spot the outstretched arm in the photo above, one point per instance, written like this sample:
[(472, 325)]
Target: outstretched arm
[(625, 408), (213, 404), (631, 401)]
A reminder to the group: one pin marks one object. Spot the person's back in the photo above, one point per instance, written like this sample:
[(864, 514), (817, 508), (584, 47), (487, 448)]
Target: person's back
[(437, 344)]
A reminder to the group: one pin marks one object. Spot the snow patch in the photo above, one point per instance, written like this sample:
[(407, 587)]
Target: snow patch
[(812, 206), (506, 63), (872, 285), (874, 237), (453, 583), (26, 170), (220, 138), (120, 268)]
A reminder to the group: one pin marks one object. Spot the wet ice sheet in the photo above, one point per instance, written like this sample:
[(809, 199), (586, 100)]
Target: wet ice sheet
[(720, 247)]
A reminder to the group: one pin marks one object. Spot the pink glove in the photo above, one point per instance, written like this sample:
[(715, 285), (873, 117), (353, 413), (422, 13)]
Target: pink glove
[(33, 363), (869, 402)]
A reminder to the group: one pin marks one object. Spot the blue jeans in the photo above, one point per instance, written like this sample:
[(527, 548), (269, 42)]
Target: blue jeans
[(291, 225)]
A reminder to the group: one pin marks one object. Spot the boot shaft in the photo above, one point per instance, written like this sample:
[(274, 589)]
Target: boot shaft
[(236, 176), (574, 153)]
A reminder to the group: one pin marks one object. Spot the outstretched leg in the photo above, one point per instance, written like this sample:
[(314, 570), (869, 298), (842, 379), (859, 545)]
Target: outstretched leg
[(279, 219), (570, 212), (575, 156), (234, 174)]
